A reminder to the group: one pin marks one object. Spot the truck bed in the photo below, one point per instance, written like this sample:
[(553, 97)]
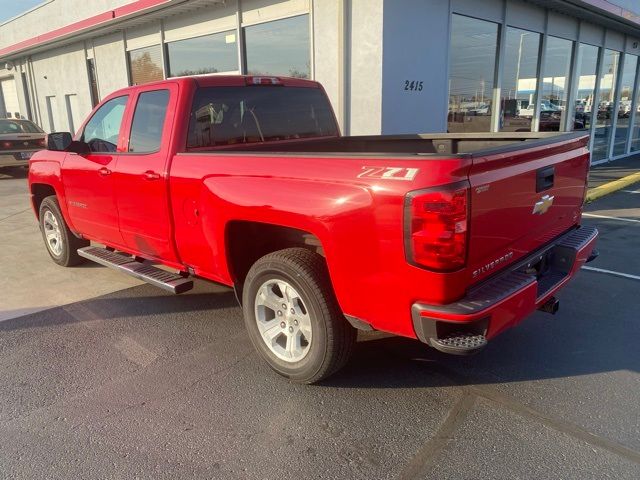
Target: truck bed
[(420, 144)]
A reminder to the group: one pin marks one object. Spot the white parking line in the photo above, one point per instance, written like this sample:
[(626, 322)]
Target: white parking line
[(593, 215), (631, 191), (611, 272)]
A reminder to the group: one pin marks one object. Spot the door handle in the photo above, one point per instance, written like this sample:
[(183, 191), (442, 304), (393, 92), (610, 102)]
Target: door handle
[(151, 175), (104, 171)]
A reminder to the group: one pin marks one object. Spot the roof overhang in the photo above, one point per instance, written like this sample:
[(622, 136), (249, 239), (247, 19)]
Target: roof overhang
[(127, 16), (600, 12)]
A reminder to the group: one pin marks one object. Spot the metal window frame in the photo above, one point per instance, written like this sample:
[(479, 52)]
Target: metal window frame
[(573, 84), (632, 113), (535, 121), (596, 100), (616, 105), (242, 67), (634, 108), (496, 101)]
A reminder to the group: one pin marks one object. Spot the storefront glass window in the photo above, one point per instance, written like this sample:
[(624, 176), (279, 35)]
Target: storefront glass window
[(145, 65), (472, 61), (625, 98), (587, 69), (200, 55), (281, 47), (519, 80), (608, 79), (555, 84)]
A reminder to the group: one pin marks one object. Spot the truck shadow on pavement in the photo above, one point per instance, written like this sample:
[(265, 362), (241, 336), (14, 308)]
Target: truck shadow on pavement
[(10, 173), (572, 343), (537, 349)]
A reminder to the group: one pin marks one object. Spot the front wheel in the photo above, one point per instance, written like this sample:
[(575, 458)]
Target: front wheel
[(61, 243), (293, 318)]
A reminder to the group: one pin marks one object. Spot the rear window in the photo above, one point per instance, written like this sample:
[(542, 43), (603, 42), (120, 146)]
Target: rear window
[(241, 115), (18, 126)]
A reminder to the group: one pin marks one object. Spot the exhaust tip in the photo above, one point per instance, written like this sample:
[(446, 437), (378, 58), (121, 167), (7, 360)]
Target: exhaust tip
[(550, 306)]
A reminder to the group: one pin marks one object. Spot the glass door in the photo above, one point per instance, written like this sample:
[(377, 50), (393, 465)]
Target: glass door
[(625, 99), (519, 80), (604, 120), (587, 70)]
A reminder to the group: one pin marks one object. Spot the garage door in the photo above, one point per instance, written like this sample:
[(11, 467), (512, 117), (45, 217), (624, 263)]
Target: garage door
[(10, 96)]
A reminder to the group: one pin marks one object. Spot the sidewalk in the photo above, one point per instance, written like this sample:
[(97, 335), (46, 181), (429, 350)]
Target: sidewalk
[(608, 172)]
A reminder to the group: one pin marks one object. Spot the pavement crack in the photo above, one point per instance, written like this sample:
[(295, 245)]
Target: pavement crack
[(563, 426), (14, 214), (430, 450), (557, 424)]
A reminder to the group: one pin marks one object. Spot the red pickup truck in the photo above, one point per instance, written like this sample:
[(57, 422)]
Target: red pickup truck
[(246, 181)]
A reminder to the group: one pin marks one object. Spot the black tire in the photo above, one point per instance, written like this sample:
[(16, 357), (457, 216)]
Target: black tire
[(70, 244), (333, 337)]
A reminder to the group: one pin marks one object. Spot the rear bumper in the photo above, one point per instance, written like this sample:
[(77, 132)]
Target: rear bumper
[(504, 300), (14, 159)]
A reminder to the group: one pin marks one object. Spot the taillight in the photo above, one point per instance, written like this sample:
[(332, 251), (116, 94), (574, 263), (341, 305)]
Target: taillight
[(42, 142), (436, 223), (7, 145)]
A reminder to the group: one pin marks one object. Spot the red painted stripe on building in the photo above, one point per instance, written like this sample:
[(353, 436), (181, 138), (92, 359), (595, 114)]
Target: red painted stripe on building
[(99, 20)]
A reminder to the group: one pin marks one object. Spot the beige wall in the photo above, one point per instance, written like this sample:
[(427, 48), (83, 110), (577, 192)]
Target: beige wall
[(58, 73), (52, 15), (111, 63)]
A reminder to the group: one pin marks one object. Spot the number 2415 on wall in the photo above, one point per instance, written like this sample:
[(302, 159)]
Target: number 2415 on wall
[(413, 85)]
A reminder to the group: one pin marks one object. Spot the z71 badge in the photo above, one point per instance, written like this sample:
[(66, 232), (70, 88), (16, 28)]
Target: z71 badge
[(389, 173)]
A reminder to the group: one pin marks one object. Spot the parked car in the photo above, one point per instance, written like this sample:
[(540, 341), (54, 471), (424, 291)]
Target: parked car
[(245, 181), (19, 140)]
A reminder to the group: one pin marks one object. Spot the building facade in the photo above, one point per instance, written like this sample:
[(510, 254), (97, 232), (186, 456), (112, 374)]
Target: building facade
[(389, 66)]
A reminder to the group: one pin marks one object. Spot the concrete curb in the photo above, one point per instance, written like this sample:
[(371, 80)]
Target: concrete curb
[(610, 187)]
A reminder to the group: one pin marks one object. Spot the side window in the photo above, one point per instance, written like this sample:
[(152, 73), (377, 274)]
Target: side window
[(101, 132), (148, 121)]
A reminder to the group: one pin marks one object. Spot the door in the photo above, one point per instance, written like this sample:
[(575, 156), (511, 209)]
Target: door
[(88, 179), (52, 112), (10, 98), (142, 177)]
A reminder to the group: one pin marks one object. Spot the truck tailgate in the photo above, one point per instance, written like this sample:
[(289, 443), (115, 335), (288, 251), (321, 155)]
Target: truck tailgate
[(522, 198)]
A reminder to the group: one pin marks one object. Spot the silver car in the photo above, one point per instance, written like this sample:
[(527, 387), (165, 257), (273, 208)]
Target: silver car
[(19, 139)]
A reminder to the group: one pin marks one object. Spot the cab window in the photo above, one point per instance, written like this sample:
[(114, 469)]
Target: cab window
[(148, 121), (101, 132), (223, 116)]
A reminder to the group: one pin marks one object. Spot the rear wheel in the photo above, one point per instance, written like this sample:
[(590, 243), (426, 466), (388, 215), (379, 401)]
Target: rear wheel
[(293, 318), (61, 243)]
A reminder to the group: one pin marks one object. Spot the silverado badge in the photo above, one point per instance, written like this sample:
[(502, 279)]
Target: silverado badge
[(543, 205)]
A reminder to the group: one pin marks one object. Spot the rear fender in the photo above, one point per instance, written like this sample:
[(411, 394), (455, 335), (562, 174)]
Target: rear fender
[(335, 213)]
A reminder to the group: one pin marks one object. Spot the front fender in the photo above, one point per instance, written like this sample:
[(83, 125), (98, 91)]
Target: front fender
[(45, 170)]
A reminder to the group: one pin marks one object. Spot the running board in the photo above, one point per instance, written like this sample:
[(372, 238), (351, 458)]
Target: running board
[(171, 282)]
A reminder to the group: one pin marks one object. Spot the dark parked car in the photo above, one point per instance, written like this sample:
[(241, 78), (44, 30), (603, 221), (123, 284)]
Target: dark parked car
[(19, 139)]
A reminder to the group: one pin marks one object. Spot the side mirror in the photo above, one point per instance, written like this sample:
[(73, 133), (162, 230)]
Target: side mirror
[(59, 141)]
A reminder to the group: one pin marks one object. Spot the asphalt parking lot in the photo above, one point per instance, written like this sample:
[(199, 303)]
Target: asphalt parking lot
[(140, 384)]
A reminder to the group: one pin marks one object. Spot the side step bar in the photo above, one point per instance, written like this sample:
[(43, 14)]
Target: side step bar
[(171, 282)]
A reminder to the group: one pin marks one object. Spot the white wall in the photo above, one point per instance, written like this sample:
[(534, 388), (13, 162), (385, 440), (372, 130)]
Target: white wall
[(328, 55), (57, 73), (364, 75), (416, 38)]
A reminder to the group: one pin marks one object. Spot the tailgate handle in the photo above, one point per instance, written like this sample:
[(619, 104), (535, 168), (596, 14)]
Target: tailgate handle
[(544, 178)]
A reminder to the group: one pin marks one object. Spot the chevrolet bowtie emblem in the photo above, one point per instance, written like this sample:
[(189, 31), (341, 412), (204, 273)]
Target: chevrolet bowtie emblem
[(543, 205)]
